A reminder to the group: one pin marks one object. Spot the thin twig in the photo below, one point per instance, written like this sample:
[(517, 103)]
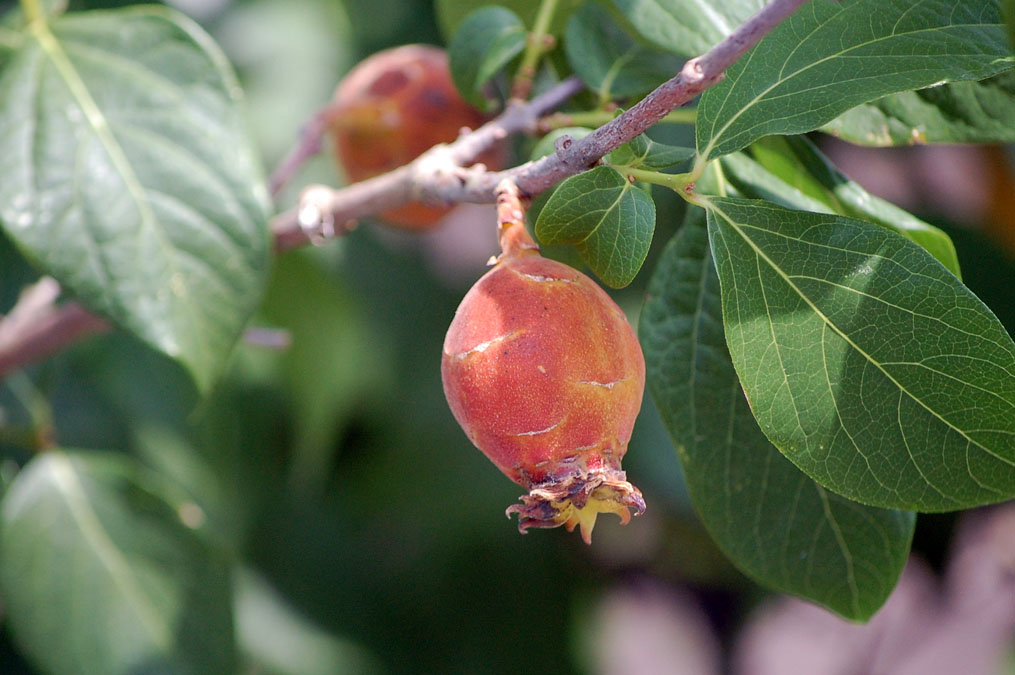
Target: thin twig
[(311, 141), (38, 327), (431, 177)]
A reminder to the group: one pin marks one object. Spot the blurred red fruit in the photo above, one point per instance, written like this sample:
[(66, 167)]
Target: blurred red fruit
[(545, 375), (388, 110)]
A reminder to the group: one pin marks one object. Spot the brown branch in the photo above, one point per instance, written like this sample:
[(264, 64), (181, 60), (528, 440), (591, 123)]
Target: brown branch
[(433, 177), (438, 176), (38, 327)]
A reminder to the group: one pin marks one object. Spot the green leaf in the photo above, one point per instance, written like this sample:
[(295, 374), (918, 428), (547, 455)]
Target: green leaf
[(829, 57), (865, 361), (799, 164), (101, 575), (451, 13), (609, 61), (128, 176), (642, 152), (960, 112), (483, 44), (771, 520), (687, 27), (606, 218)]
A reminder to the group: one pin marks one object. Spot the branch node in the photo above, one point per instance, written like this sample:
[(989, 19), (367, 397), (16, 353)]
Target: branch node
[(315, 216)]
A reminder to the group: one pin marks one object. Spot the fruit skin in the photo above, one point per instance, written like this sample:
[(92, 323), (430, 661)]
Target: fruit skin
[(388, 110), (545, 375)]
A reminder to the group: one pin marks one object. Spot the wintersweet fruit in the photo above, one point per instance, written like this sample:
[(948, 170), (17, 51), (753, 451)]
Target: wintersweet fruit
[(545, 375), (388, 110)]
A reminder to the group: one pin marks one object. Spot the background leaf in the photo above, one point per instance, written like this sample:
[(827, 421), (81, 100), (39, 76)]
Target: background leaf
[(687, 27), (92, 553), (829, 57), (451, 13), (611, 62), (485, 42), (771, 520), (960, 112), (127, 175), (866, 362), (794, 162), (606, 218)]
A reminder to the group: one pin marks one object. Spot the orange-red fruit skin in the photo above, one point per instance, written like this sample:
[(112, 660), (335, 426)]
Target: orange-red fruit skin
[(388, 110), (545, 374)]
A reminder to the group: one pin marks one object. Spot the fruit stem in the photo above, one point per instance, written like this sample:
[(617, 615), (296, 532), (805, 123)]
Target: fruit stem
[(539, 42), (514, 238)]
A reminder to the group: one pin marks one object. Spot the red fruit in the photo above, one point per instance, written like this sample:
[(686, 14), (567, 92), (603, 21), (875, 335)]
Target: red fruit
[(545, 375), (388, 110)]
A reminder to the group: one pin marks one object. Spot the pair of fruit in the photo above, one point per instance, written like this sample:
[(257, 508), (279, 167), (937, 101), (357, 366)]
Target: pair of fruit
[(540, 366)]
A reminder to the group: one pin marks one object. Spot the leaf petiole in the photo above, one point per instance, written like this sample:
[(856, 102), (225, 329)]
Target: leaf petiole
[(539, 42), (681, 183)]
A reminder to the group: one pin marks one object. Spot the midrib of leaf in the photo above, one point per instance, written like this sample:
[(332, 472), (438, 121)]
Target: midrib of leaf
[(95, 534), (606, 212), (615, 69), (813, 64), (847, 557), (842, 335), (95, 118), (100, 127)]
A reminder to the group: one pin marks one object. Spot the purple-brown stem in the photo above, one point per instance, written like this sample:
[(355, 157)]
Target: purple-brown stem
[(438, 175)]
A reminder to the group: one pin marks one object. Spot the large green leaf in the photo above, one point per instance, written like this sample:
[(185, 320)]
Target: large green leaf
[(611, 62), (687, 27), (128, 176), (798, 164), (866, 362), (484, 43), (960, 112), (771, 520), (605, 217), (100, 573), (831, 56)]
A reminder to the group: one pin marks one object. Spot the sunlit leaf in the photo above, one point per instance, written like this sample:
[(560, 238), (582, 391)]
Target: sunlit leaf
[(128, 176), (792, 172), (831, 56), (687, 27), (865, 361), (960, 112)]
